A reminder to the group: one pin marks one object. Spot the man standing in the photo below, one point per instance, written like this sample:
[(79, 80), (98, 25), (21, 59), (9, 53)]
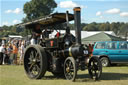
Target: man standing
[(1, 53), (5, 57), (15, 51), (36, 33), (9, 51), (21, 52)]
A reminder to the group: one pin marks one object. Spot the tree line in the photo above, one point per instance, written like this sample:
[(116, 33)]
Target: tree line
[(119, 28)]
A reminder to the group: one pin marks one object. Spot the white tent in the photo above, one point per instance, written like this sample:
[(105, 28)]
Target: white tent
[(14, 36)]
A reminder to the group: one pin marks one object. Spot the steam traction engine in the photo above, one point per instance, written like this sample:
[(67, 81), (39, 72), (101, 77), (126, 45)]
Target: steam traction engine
[(62, 55)]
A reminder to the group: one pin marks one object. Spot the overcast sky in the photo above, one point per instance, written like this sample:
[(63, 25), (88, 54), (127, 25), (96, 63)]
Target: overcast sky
[(91, 10)]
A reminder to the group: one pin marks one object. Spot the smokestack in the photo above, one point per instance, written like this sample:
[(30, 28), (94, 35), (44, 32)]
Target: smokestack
[(77, 16)]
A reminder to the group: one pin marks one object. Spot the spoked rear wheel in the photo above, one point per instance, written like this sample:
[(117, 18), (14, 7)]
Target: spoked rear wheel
[(70, 70), (95, 68), (35, 62)]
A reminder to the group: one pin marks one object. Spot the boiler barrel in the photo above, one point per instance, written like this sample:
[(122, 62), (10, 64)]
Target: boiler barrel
[(73, 51)]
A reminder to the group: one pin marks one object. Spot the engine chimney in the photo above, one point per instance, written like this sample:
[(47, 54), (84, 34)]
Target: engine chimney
[(77, 23)]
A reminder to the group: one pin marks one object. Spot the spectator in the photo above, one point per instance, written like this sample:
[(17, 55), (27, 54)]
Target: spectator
[(14, 51), (21, 52), (1, 53), (27, 43), (9, 51), (19, 43), (90, 49), (32, 41), (3, 41), (5, 57)]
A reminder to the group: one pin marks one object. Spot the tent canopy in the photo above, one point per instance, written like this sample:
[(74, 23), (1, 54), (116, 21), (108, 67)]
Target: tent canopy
[(100, 37)]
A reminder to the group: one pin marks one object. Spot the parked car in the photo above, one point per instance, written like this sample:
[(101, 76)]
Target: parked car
[(111, 52)]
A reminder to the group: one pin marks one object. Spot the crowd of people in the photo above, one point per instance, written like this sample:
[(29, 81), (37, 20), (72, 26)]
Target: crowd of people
[(12, 52)]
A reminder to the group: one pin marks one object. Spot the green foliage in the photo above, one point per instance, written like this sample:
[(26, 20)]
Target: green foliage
[(119, 28), (38, 8), (124, 30), (91, 27), (105, 27)]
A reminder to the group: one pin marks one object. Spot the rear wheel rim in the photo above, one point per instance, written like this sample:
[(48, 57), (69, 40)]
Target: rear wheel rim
[(33, 63)]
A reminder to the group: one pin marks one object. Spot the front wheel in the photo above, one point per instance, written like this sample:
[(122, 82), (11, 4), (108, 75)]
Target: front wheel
[(95, 68), (70, 70)]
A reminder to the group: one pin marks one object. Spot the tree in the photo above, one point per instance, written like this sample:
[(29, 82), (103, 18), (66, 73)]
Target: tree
[(105, 26), (91, 27), (114, 27), (83, 25), (38, 8), (5, 27), (124, 29)]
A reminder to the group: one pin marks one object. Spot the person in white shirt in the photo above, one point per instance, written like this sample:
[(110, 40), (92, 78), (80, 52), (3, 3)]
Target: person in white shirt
[(32, 41), (1, 53), (3, 42)]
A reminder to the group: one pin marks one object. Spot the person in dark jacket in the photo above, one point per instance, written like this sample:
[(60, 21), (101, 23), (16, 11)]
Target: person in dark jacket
[(36, 33)]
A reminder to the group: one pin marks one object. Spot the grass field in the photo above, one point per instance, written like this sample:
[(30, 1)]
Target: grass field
[(15, 75)]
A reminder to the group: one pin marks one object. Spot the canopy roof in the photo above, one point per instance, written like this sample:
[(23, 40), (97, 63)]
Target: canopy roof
[(53, 19), (100, 37)]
